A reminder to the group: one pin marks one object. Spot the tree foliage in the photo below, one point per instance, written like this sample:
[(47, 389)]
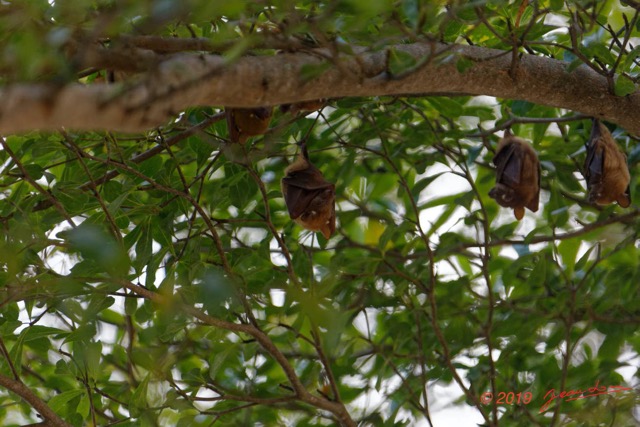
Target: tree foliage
[(156, 278)]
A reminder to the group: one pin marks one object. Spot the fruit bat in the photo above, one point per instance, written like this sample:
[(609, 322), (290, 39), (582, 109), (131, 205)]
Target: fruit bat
[(304, 106), (309, 197), (245, 122), (517, 176), (606, 169)]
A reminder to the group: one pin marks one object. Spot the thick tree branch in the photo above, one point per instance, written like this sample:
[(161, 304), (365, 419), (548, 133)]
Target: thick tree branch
[(187, 80), (25, 392)]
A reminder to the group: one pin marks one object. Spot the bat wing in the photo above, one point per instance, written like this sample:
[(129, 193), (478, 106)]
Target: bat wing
[(509, 165), (297, 199), (594, 163), (308, 179), (535, 201), (502, 155)]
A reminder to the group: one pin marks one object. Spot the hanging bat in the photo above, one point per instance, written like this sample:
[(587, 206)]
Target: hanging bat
[(243, 123), (309, 197), (606, 169), (304, 106), (517, 176)]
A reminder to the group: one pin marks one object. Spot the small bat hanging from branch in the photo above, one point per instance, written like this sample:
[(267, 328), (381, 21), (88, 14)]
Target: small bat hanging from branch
[(304, 106), (309, 197), (243, 123), (606, 169), (517, 176)]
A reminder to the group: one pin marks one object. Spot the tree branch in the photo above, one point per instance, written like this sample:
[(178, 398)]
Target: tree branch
[(186, 80), (38, 404), (336, 408)]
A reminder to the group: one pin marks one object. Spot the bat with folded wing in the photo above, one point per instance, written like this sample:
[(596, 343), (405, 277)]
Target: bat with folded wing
[(517, 176), (304, 106), (243, 123), (309, 197), (606, 169)]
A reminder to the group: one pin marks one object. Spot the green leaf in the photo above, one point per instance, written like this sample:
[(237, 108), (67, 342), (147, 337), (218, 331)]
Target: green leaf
[(144, 246), (610, 348), (218, 359), (34, 171), (624, 86), (215, 291), (556, 4), (400, 62), (151, 167), (95, 245), (84, 406), (601, 52), (463, 64), (631, 59), (38, 331), (138, 399), (521, 108), (423, 183), (83, 333), (90, 357), (446, 106), (58, 402), (568, 250)]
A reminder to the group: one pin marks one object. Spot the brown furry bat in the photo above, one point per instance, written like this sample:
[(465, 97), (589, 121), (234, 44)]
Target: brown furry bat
[(517, 176), (243, 123), (606, 169), (309, 197)]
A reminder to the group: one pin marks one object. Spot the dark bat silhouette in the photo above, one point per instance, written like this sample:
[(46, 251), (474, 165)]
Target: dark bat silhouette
[(606, 169), (243, 123), (517, 176), (309, 197)]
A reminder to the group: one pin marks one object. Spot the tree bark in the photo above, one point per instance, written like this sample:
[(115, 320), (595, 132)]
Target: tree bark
[(187, 80), (25, 392)]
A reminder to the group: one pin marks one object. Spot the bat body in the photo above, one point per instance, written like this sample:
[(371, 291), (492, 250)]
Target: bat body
[(243, 123), (517, 176), (304, 106), (606, 169), (309, 197)]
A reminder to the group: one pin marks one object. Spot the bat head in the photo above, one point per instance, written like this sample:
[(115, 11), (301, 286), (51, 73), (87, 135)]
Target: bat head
[(595, 195), (507, 197), (504, 195), (598, 195)]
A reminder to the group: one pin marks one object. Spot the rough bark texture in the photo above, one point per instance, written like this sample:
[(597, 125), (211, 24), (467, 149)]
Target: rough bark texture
[(186, 80)]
